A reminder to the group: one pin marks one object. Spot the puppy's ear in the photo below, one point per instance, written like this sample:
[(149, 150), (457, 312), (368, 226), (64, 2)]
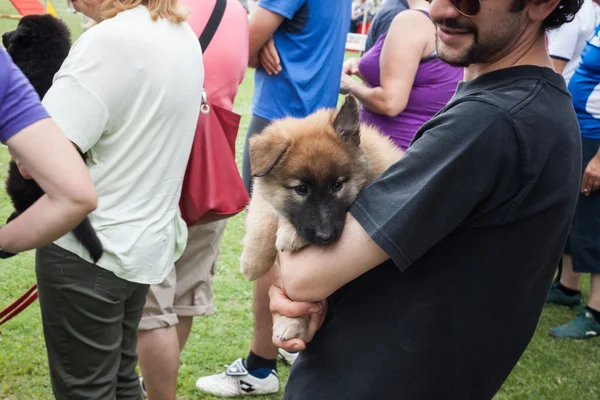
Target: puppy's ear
[(267, 149), (347, 121)]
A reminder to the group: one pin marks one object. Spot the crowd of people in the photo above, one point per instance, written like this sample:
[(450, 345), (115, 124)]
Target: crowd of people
[(497, 111)]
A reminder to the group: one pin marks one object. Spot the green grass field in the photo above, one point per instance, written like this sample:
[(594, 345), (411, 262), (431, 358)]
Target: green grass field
[(549, 369)]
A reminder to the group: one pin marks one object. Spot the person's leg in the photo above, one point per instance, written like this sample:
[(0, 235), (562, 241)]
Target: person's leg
[(257, 124), (569, 278), (565, 290), (184, 327), (262, 340), (584, 247), (157, 342), (82, 308), (128, 387)]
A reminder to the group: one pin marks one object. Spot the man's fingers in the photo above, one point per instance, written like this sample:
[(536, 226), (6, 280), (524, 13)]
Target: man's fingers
[(291, 345), (282, 305), (264, 62), (273, 54)]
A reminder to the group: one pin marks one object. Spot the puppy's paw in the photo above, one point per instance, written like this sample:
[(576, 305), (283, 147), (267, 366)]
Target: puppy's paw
[(288, 238), (285, 328), (253, 267)]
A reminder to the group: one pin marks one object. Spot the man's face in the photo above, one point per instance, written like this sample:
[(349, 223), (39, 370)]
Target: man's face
[(483, 38)]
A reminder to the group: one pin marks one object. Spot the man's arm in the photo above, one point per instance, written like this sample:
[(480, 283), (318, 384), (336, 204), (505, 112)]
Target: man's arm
[(263, 23), (353, 255), (559, 64)]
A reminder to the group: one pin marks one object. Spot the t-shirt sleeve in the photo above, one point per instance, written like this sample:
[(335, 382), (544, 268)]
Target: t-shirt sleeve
[(73, 100), (562, 42), (20, 104), (440, 179), (287, 8)]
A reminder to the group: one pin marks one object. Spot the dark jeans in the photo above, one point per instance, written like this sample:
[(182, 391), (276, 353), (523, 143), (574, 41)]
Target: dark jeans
[(90, 318), (257, 124)]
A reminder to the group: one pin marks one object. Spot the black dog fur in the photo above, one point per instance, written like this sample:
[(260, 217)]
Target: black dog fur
[(38, 47)]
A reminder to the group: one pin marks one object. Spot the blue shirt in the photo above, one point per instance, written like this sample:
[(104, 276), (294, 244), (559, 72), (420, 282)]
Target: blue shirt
[(585, 88), (20, 104), (311, 42)]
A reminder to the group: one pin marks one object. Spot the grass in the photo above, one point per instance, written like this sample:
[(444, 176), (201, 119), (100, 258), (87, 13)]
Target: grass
[(549, 369)]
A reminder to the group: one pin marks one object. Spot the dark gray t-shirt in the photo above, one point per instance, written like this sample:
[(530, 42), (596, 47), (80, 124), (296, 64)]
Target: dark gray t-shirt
[(474, 218), (383, 19)]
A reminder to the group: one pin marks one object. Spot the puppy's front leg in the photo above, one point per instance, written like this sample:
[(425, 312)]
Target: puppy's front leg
[(259, 253), (285, 328), (288, 238)]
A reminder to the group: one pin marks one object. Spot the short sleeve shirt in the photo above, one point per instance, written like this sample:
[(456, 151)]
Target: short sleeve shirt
[(474, 225), (20, 105), (311, 43)]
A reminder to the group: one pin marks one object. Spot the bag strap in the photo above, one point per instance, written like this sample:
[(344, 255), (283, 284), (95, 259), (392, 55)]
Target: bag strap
[(212, 24)]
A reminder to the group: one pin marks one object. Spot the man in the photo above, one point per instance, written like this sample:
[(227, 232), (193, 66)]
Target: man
[(186, 292), (584, 238), (565, 46), (416, 287), (297, 48), (382, 20)]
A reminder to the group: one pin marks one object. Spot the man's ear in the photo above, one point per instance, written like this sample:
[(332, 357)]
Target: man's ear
[(539, 10), (347, 121), (267, 149)]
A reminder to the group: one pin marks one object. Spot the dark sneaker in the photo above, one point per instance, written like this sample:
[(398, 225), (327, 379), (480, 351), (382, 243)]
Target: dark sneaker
[(556, 296), (584, 326)]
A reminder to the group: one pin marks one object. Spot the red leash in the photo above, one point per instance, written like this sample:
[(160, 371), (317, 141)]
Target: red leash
[(19, 305)]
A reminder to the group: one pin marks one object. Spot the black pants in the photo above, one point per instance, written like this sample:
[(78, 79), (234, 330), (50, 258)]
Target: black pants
[(90, 318), (256, 125), (583, 244)]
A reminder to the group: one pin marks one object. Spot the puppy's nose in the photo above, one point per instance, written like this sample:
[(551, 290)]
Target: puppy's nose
[(324, 236)]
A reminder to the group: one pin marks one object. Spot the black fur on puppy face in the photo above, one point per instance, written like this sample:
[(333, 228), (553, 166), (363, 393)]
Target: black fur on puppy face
[(38, 47)]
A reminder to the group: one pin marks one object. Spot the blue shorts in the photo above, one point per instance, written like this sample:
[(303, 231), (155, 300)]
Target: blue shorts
[(583, 244)]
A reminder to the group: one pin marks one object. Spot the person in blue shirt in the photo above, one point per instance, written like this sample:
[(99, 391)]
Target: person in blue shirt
[(297, 48), (583, 244)]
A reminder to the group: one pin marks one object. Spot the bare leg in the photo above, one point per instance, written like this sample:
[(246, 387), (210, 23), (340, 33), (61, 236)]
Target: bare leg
[(569, 278), (262, 342), (184, 328), (594, 300), (158, 351)]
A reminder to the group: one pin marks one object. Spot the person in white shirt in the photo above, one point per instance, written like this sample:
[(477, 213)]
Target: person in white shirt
[(566, 43), (128, 96)]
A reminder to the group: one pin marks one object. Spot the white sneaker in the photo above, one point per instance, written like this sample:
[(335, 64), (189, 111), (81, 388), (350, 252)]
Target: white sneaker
[(236, 381), (286, 356)]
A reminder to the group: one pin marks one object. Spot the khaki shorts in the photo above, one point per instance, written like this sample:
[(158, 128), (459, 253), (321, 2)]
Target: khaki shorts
[(187, 289)]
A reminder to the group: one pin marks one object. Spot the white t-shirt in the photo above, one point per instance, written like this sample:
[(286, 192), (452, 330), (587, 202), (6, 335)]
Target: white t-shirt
[(568, 41), (129, 95)]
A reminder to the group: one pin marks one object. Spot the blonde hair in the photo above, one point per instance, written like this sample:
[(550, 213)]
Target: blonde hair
[(168, 9)]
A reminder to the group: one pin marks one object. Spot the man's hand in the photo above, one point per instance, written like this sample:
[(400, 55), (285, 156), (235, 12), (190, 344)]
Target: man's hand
[(20, 166), (591, 177), (281, 305), (269, 58)]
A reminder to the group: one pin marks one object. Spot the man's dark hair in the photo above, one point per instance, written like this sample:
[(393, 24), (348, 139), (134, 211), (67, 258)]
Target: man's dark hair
[(563, 13)]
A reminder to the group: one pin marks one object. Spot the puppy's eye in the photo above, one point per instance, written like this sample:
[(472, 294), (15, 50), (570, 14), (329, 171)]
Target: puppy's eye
[(302, 190), (337, 186)]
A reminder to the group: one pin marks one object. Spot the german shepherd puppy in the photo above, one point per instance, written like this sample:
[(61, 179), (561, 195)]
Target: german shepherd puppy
[(307, 173), (39, 46)]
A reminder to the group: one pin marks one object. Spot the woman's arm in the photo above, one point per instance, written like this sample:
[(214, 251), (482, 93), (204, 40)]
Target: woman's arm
[(52, 160), (405, 44)]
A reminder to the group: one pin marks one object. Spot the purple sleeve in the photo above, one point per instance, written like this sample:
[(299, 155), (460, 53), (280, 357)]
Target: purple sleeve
[(20, 105)]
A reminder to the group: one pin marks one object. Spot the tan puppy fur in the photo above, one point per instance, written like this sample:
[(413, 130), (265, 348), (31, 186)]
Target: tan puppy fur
[(307, 173)]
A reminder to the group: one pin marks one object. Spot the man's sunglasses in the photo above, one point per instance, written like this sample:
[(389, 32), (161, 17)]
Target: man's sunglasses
[(468, 8)]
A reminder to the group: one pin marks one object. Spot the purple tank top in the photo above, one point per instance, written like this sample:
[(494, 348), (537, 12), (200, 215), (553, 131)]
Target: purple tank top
[(434, 85)]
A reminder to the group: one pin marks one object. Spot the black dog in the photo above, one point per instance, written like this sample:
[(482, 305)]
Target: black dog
[(38, 47)]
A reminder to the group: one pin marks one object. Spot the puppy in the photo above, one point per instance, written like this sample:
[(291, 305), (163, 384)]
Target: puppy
[(307, 173), (39, 46)]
